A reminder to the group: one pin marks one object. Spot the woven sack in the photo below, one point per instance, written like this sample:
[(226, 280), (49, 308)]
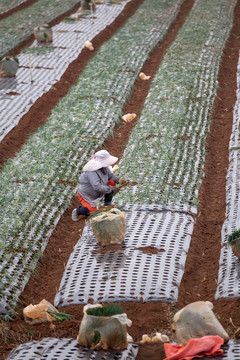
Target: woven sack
[(112, 331), (43, 33), (109, 227), (9, 66), (197, 320)]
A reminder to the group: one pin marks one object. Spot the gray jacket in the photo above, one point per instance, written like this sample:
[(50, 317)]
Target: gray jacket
[(93, 185)]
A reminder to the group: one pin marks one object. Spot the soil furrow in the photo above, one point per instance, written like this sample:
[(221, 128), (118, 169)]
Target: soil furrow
[(147, 317)]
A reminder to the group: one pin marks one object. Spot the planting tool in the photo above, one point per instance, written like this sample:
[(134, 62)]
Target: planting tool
[(57, 43), (30, 67), (127, 183)]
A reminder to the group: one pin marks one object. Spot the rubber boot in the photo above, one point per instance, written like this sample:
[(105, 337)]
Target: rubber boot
[(108, 199), (82, 210)]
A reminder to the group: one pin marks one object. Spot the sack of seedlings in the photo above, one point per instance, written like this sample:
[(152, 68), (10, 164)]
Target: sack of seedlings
[(234, 242), (197, 320), (104, 327), (109, 226)]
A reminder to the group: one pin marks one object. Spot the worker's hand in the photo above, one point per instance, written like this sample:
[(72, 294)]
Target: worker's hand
[(115, 189)]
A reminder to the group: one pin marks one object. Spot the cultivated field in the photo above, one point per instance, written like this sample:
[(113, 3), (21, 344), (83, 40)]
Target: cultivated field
[(181, 152)]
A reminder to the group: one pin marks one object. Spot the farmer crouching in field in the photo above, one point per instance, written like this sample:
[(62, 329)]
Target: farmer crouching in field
[(96, 182)]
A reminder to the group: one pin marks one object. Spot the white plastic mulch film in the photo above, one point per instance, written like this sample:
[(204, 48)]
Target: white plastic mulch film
[(148, 267), (229, 267), (231, 351), (68, 349), (42, 177), (43, 65)]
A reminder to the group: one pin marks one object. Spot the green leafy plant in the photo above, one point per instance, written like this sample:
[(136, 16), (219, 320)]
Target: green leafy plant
[(96, 213), (60, 317), (235, 148), (97, 337), (233, 236)]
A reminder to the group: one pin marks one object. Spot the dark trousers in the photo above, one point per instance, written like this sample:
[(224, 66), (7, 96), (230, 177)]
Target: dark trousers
[(82, 210)]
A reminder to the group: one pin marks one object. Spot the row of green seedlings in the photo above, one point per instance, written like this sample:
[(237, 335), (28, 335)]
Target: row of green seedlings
[(6, 5), (38, 179), (19, 26), (20, 258), (167, 163)]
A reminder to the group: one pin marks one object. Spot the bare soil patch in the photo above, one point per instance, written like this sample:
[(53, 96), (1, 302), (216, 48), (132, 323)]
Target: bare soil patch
[(199, 281)]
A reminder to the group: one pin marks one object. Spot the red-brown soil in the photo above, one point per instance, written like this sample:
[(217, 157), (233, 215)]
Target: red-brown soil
[(200, 276)]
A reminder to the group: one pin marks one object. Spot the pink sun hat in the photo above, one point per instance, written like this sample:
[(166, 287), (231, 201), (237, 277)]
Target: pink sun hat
[(99, 160)]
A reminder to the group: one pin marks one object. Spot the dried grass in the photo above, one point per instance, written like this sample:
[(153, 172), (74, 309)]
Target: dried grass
[(9, 337)]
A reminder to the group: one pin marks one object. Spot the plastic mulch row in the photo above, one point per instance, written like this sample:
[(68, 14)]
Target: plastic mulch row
[(148, 267), (231, 351), (64, 349)]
